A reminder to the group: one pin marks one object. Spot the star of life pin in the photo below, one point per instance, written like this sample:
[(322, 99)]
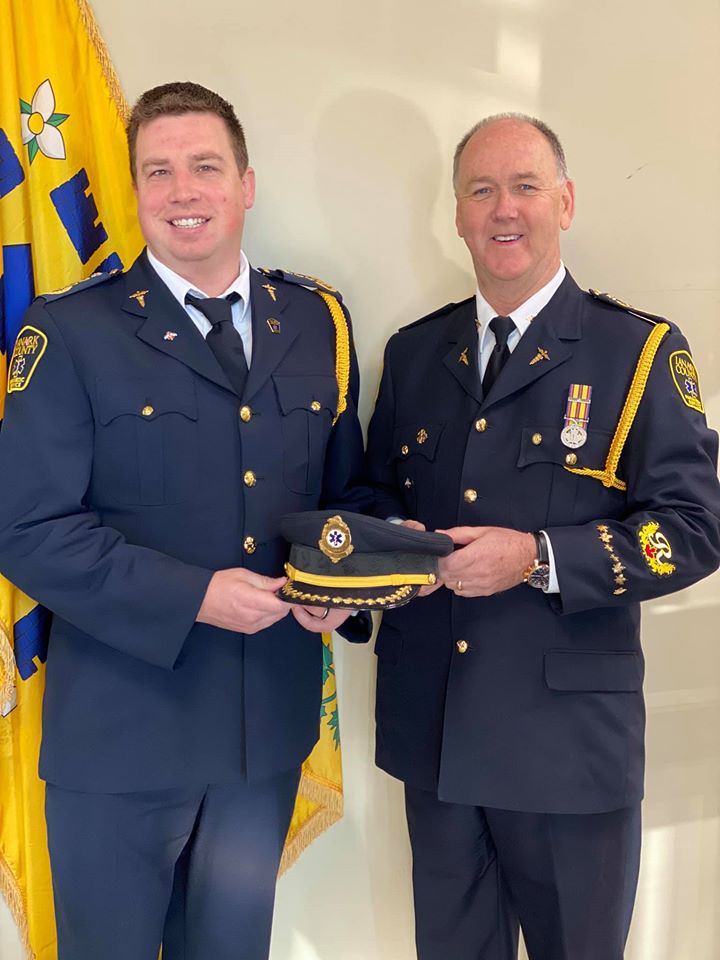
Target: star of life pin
[(336, 539), (577, 415)]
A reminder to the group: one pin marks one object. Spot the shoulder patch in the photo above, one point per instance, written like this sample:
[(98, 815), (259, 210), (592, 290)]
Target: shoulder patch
[(29, 348), (301, 280), (90, 281), (627, 307), (437, 313), (685, 377)]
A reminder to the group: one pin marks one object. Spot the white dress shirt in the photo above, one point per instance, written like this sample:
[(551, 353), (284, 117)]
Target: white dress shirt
[(241, 310)]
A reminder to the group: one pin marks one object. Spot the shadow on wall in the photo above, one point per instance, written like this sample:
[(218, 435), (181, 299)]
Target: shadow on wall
[(380, 174)]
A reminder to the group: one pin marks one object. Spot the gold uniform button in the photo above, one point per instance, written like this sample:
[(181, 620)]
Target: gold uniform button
[(481, 425), (316, 406), (462, 646), (148, 411), (404, 449), (470, 496), (249, 545), (571, 459), (249, 478), (537, 439), (245, 414)]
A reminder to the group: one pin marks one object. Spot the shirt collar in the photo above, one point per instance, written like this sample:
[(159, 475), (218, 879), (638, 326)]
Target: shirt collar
[(524, 314), (179, 286)]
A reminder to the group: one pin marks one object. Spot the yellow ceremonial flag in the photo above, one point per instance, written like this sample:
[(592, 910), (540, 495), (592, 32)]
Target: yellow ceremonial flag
[(66, 211), (319, 802)]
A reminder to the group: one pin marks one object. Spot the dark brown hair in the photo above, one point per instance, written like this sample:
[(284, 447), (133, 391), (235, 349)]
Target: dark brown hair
[(174, 99)]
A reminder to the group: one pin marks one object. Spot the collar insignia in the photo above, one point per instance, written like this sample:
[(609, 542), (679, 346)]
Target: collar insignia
[(139, 295), (271, 290), (169, 334), (541, 354)]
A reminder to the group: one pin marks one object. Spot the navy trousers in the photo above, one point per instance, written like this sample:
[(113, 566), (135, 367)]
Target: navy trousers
[(192, 868), (478, 874)]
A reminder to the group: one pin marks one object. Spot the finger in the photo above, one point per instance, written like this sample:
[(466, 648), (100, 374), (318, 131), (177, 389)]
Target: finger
[(462, 535), (413, 525)]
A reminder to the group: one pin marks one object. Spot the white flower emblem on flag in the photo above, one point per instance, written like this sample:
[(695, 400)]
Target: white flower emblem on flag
[(39, 124)]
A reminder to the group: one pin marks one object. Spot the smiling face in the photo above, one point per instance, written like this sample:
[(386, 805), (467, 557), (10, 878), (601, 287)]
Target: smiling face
[(192, 198), (512, 203)]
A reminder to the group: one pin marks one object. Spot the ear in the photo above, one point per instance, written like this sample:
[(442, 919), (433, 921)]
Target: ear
[(248, 182), (458, 220), (567, 200)]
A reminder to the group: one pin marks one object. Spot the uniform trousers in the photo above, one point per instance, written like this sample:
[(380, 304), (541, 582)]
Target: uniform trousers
[(568, 880), (193, 868)]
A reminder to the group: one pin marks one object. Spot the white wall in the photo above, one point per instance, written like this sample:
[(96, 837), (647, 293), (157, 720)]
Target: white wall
[(352, 113)]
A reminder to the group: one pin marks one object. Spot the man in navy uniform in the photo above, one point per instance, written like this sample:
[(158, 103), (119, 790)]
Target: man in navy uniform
[(559, 437), (158, 424)]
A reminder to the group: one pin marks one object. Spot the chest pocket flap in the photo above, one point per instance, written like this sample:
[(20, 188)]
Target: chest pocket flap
[(146, 398), (312, 393), (543, 445)]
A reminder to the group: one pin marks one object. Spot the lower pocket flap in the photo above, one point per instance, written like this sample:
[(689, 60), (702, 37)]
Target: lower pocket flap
[(597, 671)]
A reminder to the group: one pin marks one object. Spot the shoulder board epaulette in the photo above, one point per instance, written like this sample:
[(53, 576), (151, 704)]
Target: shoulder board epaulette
[(627, 307), (90, 281), (436, 313), (302, 280)]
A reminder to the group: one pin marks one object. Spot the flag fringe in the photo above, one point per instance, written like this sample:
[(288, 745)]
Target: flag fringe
[(329, 799), (10, 892), (103, 54), (7, 667)]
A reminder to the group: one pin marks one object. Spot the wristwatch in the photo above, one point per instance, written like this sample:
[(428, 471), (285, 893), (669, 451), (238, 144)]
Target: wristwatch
[(538, 573)]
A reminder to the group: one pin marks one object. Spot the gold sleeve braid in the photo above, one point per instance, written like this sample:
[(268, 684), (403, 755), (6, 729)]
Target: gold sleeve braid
[(342, 349), (608, 476)]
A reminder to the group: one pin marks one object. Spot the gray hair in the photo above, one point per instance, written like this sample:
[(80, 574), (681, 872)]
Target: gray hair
[(551, 137)]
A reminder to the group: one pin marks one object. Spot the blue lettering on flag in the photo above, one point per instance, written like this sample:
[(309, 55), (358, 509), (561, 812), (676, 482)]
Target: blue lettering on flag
[(78, 212), (17, 289), (31, 640), (11, 171)]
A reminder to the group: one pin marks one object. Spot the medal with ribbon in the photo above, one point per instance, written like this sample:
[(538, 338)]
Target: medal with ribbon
[(577, 415)]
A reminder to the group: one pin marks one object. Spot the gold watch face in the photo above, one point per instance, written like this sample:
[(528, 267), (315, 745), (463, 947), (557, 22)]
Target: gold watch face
[(539, 576)]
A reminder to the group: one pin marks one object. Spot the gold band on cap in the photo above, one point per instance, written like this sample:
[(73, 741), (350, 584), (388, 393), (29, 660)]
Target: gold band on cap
[(387, 580)]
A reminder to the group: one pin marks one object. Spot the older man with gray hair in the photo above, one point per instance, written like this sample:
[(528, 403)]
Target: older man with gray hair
[(559, 437)]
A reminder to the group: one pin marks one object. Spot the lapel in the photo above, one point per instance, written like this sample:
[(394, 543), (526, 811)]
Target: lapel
[(271, 309), (553, 330), (161, 313), (461, 359)]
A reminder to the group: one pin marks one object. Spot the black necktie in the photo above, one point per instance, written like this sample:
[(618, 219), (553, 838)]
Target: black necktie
[(223, 339), (502, 327)]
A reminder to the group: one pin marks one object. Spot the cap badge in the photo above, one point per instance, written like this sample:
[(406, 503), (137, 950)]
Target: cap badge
[(336, 540)]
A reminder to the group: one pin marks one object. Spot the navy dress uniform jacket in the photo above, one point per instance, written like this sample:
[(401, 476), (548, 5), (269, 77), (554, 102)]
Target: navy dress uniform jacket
[(131, 472), (544, 710)]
